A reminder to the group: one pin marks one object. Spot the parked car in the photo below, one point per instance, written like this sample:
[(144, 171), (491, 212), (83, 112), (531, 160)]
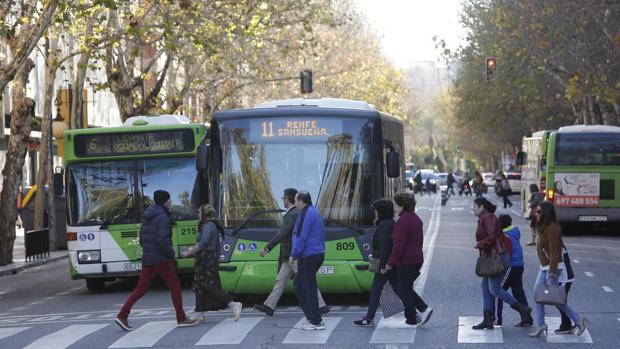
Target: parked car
[(514, 179), (489, 179), (429, 175), (409, 179)]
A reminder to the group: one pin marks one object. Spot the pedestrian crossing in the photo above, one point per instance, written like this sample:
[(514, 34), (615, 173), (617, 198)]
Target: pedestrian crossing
[(230, 332)]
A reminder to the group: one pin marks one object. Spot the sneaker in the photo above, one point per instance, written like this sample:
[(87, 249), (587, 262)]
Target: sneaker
[(311, 327), (124, 324), (188, 322), (408, 325), (236, 309), (324, 310), (364, 322), (426, 315), (565, 330), (263, 308)]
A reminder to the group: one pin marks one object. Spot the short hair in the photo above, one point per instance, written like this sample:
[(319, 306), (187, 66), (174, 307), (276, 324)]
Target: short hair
[(289, 194), (304, 197), (405, 200), (505, 220), (384, 208)]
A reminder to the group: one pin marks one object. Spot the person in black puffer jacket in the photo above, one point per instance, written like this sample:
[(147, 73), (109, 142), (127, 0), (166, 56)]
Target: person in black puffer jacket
[(157, 260)]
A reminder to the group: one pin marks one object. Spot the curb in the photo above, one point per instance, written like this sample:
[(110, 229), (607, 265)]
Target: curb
[(19, 268)]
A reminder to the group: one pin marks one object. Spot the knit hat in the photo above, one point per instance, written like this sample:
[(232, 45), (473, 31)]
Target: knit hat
[(161, 196)]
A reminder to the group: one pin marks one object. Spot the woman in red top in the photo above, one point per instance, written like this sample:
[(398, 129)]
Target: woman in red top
[(407, 258)]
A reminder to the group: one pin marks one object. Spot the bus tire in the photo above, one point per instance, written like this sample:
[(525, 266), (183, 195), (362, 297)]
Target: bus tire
[(95, 284)]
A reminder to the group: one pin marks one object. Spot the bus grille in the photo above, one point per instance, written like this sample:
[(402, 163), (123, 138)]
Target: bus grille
[(129, 234), (608, 189)]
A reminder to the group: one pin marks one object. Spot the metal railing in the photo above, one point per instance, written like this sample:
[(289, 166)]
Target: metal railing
[(37, 243)]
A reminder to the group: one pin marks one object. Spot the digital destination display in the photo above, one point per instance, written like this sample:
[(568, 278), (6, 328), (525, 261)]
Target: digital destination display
[(309, 129), (129, 143)]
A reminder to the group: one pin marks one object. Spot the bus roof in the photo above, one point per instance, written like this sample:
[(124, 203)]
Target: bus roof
[(588, 128), (318, 102), (165, 119)]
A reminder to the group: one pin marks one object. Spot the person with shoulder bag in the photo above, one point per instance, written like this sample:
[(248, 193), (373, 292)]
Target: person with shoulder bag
[(552, 269), (566, 325), (490, 245), (381, 250)]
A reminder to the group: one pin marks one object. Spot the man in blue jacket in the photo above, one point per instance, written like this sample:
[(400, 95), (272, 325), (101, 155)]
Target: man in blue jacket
[(309, 251)]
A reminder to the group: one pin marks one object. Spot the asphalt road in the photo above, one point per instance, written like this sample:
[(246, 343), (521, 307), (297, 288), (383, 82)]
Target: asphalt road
[(43, 308)]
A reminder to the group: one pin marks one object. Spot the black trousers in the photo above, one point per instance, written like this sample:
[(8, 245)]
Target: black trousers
[(505, 195), (406, 276), (513, 280), (306, 289)]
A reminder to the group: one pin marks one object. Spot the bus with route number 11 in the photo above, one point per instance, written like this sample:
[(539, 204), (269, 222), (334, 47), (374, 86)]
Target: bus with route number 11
[(111, 175), (344, 153)]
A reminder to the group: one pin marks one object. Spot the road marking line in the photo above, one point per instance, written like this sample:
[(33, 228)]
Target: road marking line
[(554, 322), (519, 214), (312, 337), (229, 331), (108, 316), (9, 331), (469, 335), (590, 274), (457, 209), (607, 289), (46, 318), (83, 316), (576, 261), (65, 337), (387, 331), (146, 335), (431, 234)]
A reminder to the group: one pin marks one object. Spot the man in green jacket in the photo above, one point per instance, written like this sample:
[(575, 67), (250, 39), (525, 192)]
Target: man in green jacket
[(287, 268)]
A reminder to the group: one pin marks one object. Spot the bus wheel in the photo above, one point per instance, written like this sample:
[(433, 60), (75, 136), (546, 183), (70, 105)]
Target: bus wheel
[(95, 284)]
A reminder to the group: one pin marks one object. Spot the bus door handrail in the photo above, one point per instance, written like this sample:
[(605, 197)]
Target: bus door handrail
[(235, 232)]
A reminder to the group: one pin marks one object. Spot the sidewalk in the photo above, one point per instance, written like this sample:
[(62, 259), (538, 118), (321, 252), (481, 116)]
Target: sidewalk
[(19, 257)]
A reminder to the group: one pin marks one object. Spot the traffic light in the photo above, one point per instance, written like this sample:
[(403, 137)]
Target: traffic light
[(490, 66), (305, 76)]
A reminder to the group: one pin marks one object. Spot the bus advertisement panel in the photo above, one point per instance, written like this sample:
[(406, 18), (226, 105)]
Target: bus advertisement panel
[(577, 189)]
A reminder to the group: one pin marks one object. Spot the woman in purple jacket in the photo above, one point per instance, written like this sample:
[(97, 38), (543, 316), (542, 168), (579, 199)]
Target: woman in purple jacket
[(407, 258)]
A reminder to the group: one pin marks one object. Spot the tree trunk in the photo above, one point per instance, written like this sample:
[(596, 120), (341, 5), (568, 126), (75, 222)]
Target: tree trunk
[(77, 101), (21, 119)]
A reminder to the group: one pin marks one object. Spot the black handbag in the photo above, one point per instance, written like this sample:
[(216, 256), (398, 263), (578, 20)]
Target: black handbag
[(550, 294), (490, 266)]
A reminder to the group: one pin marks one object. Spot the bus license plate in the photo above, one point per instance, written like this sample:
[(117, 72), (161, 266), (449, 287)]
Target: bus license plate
[(326, 270), (593, 218), (133, 266)]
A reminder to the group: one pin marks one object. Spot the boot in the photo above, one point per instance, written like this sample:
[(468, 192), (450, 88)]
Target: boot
[(525, 312), (487, 322)]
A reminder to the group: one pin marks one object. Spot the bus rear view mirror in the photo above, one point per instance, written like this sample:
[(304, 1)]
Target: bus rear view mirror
[(520, 158), (59, 186), (202, 157), (393, 164)]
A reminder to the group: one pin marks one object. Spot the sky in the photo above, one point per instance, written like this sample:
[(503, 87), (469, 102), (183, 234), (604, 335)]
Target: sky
[(406, 27)]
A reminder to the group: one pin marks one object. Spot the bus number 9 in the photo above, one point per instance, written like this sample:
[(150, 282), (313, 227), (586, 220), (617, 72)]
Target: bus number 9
[(346, 246)]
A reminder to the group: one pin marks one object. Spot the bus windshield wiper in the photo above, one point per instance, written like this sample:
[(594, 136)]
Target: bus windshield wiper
[(336, 222), (121, 207), (251, 217)]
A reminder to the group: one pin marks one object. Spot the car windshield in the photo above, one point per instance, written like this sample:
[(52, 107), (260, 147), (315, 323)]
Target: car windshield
[(588, 149)]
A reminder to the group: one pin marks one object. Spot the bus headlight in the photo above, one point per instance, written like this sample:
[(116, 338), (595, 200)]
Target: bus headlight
[(89, 256), (185, 248)]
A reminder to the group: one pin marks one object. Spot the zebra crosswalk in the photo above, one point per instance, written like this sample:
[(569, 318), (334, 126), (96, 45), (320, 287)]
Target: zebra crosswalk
[(250, 329)]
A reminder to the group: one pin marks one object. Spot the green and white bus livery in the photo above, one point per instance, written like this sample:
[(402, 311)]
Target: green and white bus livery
[(111, 175)]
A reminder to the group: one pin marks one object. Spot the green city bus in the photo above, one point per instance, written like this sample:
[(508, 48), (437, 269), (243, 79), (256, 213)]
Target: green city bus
[(583, 174), (111, 175), (533, 161), (344, 153)]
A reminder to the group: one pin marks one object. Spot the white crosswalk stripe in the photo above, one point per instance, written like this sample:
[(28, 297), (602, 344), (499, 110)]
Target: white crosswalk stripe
[(65, 337), (229, 331), (146, 335), (553, 323), (388, 331), (9, 331), (296, 336), (469, 335)]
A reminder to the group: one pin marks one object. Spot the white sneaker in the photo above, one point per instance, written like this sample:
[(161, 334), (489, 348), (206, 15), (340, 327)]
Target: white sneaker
[(310, 327), (236, 309), (425, 315)]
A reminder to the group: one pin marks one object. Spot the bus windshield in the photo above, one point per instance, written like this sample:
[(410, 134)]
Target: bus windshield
[(333, 162), (97, 189), (588, 149)]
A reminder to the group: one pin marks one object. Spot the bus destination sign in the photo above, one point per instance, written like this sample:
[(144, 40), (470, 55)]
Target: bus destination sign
[(298, 129), (129, 143)]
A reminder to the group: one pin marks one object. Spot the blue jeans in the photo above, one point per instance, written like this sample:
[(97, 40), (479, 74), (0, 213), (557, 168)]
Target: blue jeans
[(540, 308), (492, 287), (306, 288), (375, 291)]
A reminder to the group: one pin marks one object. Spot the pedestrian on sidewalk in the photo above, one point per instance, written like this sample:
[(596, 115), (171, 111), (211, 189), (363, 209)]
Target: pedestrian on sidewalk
[(488, 241), (505, 191), (286, 268), (552, 269), (157, 260), (535, 199), (407, 258), (381, 250), (207, 284), (513, 277), (309, 252)]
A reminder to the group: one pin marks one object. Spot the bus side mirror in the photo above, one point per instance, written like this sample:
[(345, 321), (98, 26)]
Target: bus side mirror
[(59, 178), (520, 158), (393, 164), (202, 157)]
